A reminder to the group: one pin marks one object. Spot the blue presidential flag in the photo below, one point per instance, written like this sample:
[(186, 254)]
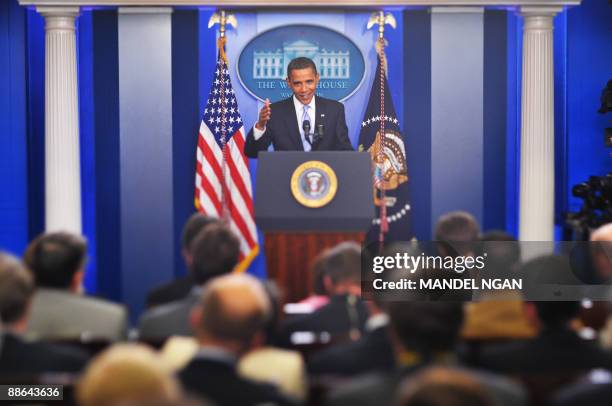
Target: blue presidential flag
[(381, 136)]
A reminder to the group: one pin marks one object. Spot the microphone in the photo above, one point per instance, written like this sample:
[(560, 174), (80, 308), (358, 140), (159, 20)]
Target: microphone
[(306, 128)]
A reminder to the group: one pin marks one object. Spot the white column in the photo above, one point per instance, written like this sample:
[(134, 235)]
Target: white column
[(62, 166), (537, 126)]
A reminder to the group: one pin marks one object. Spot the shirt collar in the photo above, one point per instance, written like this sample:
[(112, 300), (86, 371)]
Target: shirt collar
[(299, 107), (216, 354)]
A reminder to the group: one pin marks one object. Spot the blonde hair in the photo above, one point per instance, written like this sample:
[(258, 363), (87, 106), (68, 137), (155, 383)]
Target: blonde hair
[(127, 373)]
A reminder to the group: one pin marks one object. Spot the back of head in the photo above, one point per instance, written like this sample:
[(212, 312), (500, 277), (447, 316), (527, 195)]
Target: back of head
[(233, 309), (342, 263), (503, 252), (426, 327), (193, 226), (55, 258), (127, 373), (215, 252), (442, 387), (601, 251), (557, 314), (16, 289), (458, 228)]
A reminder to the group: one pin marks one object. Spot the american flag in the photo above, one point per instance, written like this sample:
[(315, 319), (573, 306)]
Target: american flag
[(223, 181)]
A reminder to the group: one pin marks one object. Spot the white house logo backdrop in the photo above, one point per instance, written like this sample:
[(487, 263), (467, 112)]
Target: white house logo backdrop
[(262, 65)]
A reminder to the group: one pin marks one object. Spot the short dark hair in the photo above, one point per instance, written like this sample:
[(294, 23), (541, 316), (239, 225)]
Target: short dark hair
[(426, 327), (54, 258), (502, 250), (459, 228), (16, 288), (215, 251), (193, 226), (342, 263), (439, 386), (301, 63)]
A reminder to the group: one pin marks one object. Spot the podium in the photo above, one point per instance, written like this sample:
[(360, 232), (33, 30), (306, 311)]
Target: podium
[(300, 219)]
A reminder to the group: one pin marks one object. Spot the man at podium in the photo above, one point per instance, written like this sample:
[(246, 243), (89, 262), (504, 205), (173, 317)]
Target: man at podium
[(303, 122)]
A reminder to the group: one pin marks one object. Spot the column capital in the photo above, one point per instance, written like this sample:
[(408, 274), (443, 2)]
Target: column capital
[(58, 11), (539, 11), (58, 18)]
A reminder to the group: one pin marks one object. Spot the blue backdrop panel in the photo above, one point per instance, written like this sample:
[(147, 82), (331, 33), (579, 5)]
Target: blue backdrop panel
[(417, 116), (185, 116), (589, 67), (36, 121), (87, 143), (145, 117), (13, 140), (457, 112), (106, 129), (495, 106)]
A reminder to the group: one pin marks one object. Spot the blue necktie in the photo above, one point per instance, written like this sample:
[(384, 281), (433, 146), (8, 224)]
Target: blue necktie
[(305, 116)]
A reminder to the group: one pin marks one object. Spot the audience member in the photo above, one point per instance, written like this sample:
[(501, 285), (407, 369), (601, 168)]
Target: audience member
[(319, 296), (346, 313), (215, 252), (59, 310), (127, 374), (17, 356), (179, 288), (556, 350), (227, 328), (455, 234), (424, 334), (263, 363), (373, 351), (442, 387), (266, 363), (501, 314)]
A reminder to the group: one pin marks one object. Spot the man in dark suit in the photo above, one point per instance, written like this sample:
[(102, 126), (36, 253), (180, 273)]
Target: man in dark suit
[(424, 334), (17, 356), (215, 252), (282, 124), (180, 287), (231, 316), (372, 352), (557, 349), (346, 313)]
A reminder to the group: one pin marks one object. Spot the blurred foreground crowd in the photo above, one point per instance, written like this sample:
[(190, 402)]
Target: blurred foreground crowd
[(215, 337)]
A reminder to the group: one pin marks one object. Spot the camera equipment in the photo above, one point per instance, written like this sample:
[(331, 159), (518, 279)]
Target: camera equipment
[(596, 209)]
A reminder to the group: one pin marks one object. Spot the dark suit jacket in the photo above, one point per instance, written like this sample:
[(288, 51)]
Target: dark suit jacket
[(580, 394), (283, 130), (333, 318), (373, 352), (553, 351), (219, 382), (19, 357), (169, 292), (169, 319)]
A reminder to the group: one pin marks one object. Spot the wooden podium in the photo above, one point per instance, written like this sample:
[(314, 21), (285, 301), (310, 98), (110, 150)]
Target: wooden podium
[(294, 231)]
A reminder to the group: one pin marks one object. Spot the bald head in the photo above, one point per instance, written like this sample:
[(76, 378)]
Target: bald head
[(603, 233), (601, 251), (233, 308)]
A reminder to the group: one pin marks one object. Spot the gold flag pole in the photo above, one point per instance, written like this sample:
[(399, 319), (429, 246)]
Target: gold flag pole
[(223, 19), (381, 19)]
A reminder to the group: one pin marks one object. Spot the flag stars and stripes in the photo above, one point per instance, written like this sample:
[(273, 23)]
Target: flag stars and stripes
[(223, 182)]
